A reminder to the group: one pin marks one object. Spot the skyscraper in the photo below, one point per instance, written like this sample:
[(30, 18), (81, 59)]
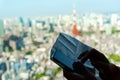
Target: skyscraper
[(1, 34), (29, 22), (21, 21), (1, 28)]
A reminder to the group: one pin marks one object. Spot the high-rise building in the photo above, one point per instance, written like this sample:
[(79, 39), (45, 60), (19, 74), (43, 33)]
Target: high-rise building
[(1, 34), (51, 28), (1, 28), (21, 21), (108, 26), (29, 23)]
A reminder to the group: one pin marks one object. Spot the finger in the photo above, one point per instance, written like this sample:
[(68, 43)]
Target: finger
[(102, 67), (103, 76), (83, 54), (72, 75), (80, 68), (107, 66), (93, 55), (84, 57), (96, 56)]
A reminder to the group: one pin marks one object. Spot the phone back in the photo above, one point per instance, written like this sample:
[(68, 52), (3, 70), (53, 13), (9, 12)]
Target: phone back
[(66, 51)]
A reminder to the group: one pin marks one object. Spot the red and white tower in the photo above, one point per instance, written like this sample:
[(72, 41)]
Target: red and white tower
[(74, 29)]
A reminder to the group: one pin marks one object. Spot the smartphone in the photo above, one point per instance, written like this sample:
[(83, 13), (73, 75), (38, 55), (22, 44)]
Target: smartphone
[(67, 49)]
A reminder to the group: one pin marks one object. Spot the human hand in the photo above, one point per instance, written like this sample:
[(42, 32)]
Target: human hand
[(107, 71)]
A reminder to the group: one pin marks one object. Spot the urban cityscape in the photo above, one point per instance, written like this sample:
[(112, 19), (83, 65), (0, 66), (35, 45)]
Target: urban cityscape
[(25, 42)]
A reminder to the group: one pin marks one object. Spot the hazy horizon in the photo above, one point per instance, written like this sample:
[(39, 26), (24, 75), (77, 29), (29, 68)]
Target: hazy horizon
[(27, 8)]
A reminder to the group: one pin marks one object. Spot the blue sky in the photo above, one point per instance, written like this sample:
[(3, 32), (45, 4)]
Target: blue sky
[(13, 8)]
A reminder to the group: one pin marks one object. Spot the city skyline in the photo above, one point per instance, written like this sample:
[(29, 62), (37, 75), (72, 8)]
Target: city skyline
[(27, 8)]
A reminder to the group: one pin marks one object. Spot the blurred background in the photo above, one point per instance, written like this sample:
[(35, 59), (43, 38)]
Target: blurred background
[(29, 28)]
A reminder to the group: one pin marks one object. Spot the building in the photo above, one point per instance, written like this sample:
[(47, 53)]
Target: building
[(1, 34), (13, 43)]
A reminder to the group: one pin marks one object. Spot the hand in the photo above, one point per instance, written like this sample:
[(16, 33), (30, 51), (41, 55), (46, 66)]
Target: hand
[(80, 73), (94, 56), (107, 71)]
